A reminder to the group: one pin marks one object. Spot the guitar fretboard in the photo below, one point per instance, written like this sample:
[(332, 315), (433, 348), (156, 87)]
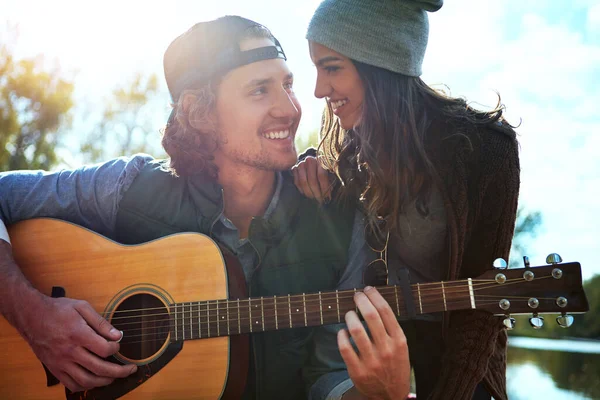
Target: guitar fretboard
[(213, 318)]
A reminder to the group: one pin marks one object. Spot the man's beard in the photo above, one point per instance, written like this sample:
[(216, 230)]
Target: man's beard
[(263, 162)]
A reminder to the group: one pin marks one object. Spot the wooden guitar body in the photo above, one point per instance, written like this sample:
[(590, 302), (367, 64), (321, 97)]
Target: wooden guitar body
[(179, 268)]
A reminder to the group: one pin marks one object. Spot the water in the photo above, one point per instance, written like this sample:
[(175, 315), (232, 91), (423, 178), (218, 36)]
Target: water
[(549, 369)]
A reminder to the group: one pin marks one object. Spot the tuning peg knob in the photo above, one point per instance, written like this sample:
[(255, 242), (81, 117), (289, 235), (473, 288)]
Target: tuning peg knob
[(526, 262), (536, 321), (528, 275), (562, 302), (500, 263), (553, 258), (509, 323), (557, 273), (565, 320)]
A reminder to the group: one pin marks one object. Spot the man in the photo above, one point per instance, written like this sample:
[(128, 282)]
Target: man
[(229, 137)]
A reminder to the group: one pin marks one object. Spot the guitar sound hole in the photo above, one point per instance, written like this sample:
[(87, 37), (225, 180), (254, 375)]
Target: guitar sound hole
[(144, 320)]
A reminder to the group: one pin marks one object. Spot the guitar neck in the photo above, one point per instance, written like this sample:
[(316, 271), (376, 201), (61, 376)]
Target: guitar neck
[(205, 319)]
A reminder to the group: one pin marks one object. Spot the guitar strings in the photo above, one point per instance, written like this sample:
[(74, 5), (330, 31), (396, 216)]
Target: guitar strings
[(199, 314), (246, 317), (204, 333), (342, 295), (311, 296), (194, 328), (212, 320), (426, 293)]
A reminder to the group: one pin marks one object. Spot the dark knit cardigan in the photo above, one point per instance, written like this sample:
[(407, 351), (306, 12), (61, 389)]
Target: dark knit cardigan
[(478, 173)]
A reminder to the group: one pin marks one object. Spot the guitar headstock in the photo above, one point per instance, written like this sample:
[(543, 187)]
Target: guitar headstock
[(552, 288)]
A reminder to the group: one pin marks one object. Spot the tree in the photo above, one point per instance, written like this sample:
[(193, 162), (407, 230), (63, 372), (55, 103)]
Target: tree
[(309, 139), (526, 228), (34, 109), (588, 325), (131, 115)]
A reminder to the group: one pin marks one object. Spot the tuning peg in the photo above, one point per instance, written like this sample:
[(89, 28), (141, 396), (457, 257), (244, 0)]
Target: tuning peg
[(526, 261), (509, 323), (500, 263), (557, 273), (565, 320), (536, 321), (553, 258)]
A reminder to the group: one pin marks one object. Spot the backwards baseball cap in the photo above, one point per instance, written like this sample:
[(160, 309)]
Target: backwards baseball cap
[(211, 49)]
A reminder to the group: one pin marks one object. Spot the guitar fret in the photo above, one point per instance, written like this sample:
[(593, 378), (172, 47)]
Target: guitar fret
[(183, 322), (218, 329), (471, 294), (238, 311), (337, 300), (199, 322), (176, 333), (191, 321), (183, 316), (228, 332), (397, 303), (304, 303), (321, 308), (420, 303), (262, 312), (444, 296), (208, 317), (355, 308), (290, 310), (250, 315), (275, 307)]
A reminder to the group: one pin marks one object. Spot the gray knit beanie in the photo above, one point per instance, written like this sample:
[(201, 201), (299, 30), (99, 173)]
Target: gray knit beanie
[(390, 34)]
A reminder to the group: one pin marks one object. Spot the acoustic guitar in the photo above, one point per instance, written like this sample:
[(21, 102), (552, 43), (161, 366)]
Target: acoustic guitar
[(186, 317)]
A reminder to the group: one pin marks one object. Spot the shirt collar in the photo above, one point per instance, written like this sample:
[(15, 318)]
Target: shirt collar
[(276, 195)]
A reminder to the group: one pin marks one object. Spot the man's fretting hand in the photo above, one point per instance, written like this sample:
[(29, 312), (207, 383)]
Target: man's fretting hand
[(381, 368)]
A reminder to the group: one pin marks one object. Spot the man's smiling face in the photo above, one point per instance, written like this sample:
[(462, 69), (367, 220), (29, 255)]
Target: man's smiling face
[(257, 114)]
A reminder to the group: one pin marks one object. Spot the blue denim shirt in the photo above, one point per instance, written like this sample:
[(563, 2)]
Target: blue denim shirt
[(90, 196)]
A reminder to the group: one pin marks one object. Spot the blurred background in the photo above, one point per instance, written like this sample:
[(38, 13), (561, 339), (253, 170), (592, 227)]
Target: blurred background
[(82, 82)]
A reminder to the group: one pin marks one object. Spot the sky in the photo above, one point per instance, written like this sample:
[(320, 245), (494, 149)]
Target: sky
[(541, 56)]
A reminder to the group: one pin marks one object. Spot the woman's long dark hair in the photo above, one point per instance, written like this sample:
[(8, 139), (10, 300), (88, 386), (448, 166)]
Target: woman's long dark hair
[(384, 161)]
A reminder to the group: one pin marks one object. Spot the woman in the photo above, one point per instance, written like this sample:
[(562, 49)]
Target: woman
[(436, 177)]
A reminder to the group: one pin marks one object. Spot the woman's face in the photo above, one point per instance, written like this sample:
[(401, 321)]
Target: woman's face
[(339, 83)]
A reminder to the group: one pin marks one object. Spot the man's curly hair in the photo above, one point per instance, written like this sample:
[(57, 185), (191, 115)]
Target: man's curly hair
[(191, 136), (191, 149)]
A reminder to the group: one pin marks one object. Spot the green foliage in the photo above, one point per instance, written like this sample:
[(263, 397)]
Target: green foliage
[(306, 140), (129, 122), (585, 325), (34, 104), (590, 323), (526, 228)]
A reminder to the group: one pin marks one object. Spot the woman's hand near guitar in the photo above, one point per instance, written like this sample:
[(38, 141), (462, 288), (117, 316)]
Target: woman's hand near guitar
[(312, 180), (381, 369), (67, 335)]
